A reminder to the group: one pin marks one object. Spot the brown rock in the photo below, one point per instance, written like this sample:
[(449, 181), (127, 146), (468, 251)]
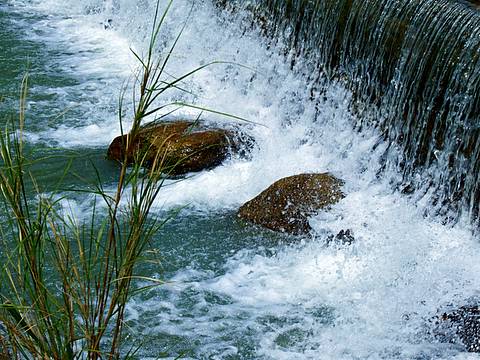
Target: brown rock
[(475, 2), (288, 203), (182, 146)]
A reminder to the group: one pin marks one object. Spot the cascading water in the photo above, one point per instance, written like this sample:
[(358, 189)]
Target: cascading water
[(235, 291), (418, 61)]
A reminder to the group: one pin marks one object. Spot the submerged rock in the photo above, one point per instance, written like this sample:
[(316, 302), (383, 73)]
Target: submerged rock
[(461, 325), (182, 146), (288, 203), (344, 237)]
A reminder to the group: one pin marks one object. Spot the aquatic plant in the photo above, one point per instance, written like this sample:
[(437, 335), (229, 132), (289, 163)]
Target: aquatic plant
[(64, 284)]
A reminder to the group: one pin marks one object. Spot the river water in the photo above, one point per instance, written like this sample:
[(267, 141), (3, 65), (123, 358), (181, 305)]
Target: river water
[(235, 291)]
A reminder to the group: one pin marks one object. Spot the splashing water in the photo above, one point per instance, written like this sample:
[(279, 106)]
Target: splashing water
[(417, 60), (237, 291)]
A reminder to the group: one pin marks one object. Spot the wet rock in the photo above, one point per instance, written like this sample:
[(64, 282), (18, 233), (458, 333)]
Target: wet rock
[(288, 203), (474, 2), (182, 146), (344, 237), (107, 24), (462, 326), (407, 189)]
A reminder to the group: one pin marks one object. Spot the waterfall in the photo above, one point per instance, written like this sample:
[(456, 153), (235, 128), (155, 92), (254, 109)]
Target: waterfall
[(380, 93), (417, 62)]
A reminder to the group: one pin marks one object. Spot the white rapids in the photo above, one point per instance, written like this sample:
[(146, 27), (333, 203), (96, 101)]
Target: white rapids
[(371, 300)]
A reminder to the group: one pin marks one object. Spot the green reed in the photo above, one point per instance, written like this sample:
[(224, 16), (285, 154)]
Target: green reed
[(64, 285)]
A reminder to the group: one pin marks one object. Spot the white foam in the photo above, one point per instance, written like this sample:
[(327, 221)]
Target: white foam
[(370, 300)]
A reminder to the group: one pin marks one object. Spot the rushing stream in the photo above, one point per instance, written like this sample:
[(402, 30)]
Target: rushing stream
[(235, 291)]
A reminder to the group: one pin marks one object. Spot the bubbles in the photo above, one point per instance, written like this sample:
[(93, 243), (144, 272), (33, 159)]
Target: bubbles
[(371, 299)]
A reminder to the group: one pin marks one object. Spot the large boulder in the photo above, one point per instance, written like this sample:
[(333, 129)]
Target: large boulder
[(288, 203), (182, 146)]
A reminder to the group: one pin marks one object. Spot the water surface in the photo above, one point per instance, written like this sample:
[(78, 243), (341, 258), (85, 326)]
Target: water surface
[(235, 291)]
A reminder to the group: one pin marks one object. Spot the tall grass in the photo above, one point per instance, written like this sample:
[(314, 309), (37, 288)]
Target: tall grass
[(64, 285)]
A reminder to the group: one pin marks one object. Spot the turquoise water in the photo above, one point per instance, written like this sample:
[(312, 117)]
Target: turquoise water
[(235, 291), (188, 241), (49, 94)]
